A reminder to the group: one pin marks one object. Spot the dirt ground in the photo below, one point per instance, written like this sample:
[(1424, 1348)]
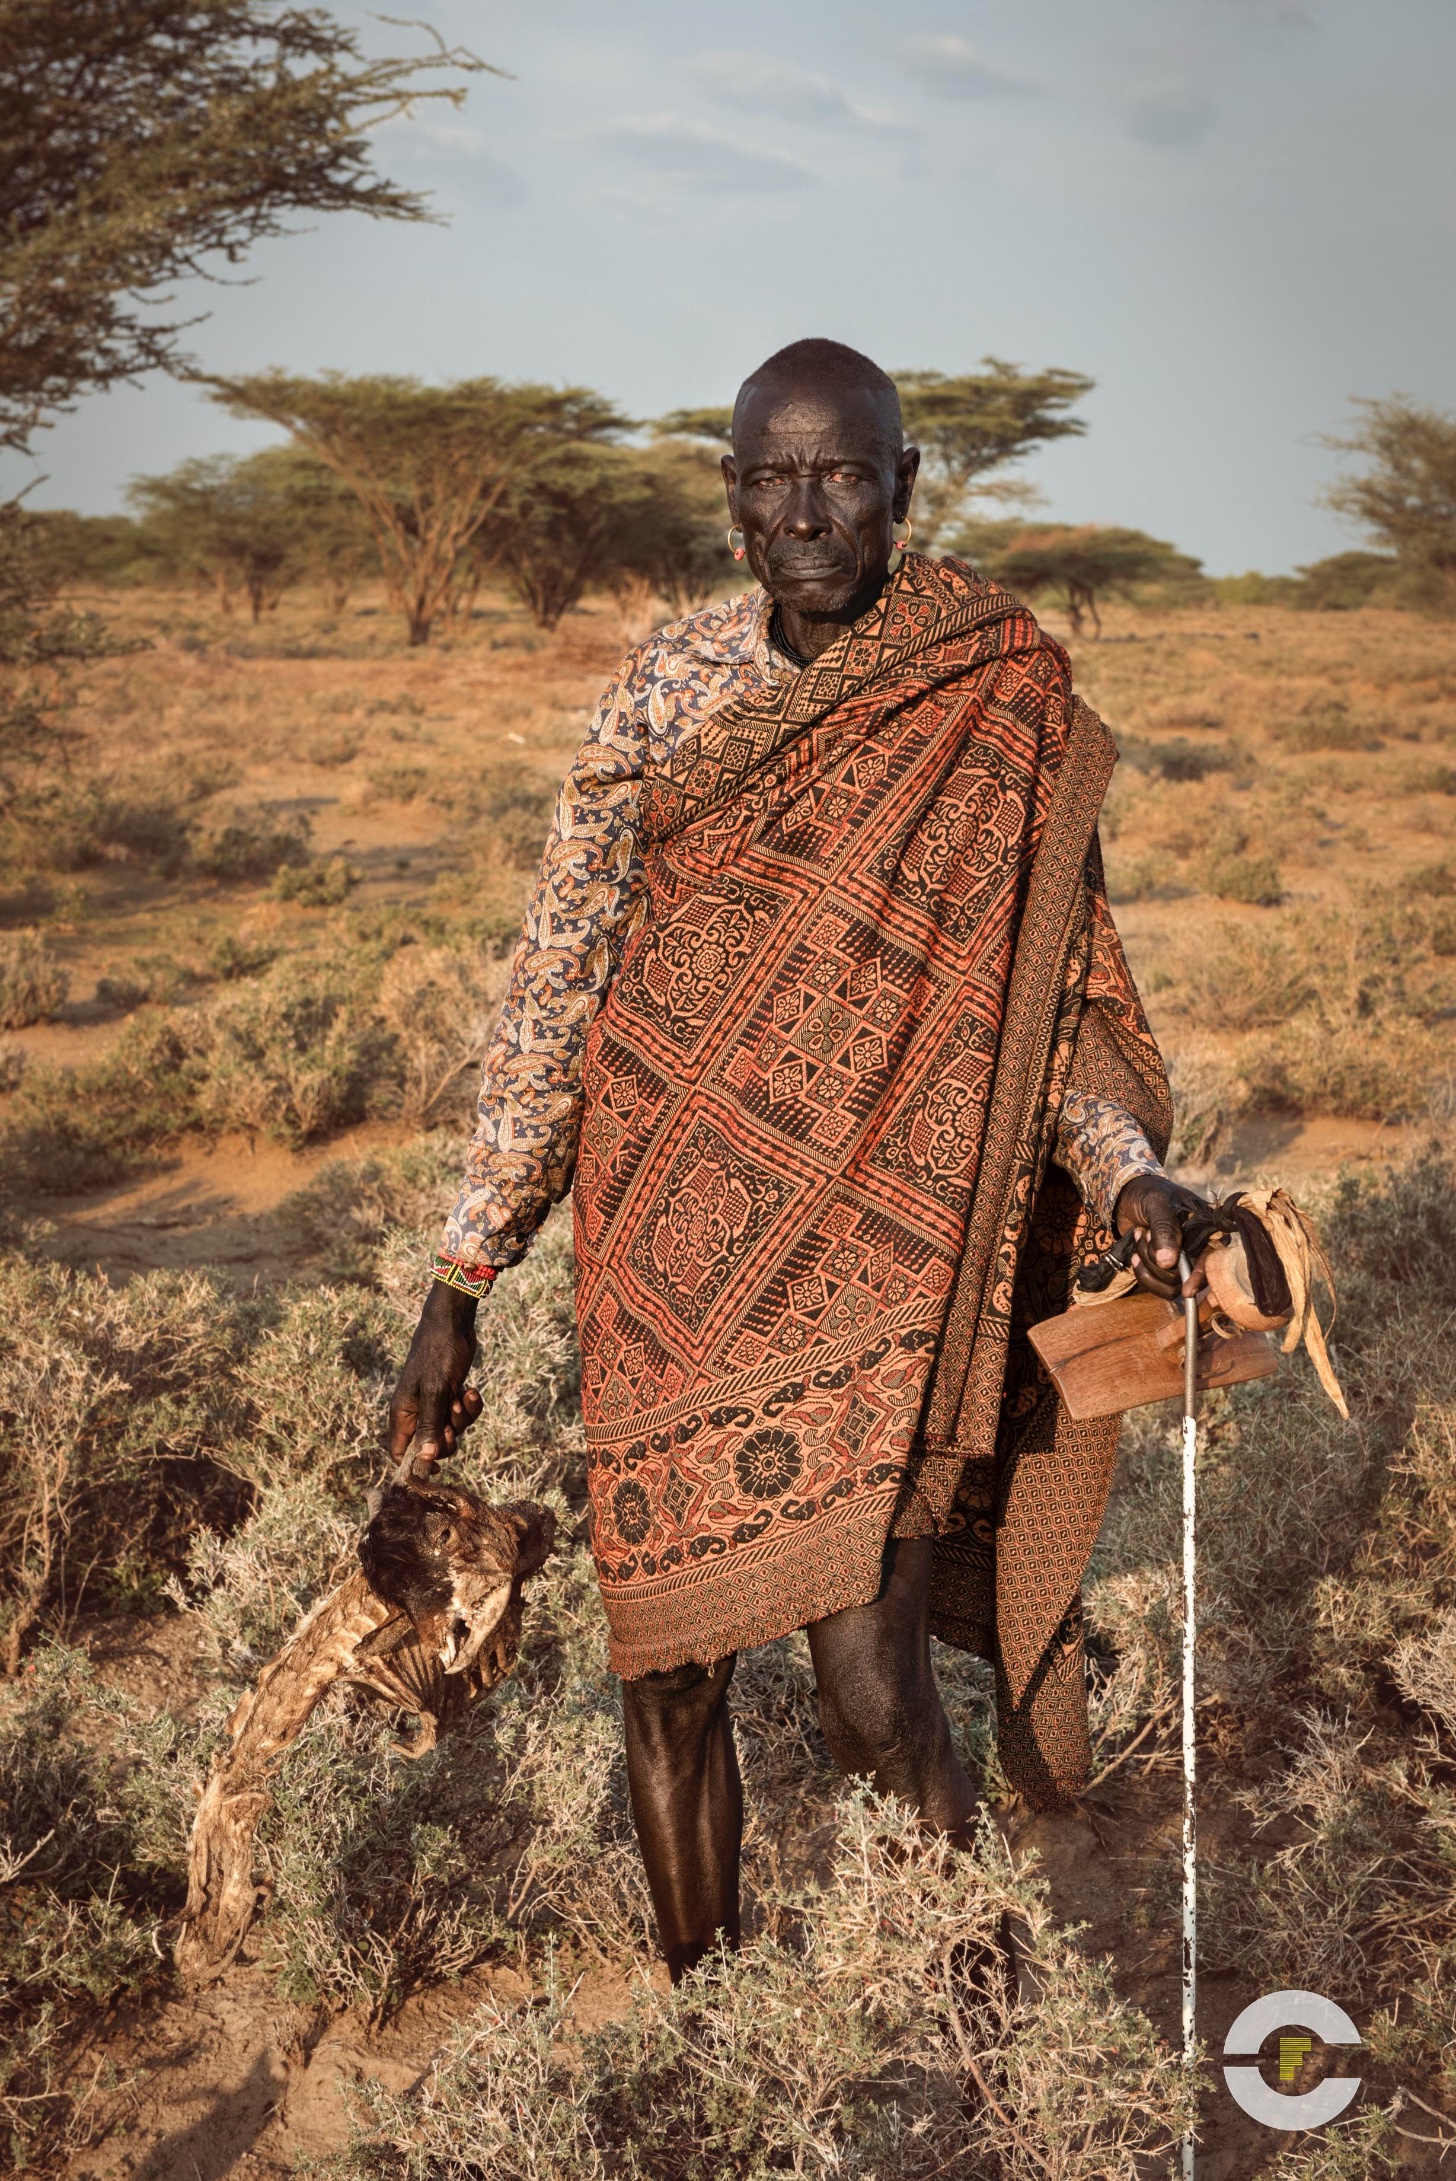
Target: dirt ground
[(371, 743)]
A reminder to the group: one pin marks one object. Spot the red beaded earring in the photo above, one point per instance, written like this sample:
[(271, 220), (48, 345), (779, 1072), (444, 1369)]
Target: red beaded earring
[(736, 545)]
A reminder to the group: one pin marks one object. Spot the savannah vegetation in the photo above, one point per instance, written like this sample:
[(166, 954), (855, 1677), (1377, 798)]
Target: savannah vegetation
[(254, 930), (260, 871)]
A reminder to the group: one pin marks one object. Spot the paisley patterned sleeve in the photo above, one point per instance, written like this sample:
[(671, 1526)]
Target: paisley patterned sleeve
[(1100, 1142), (1103, 1148), (588, 901)]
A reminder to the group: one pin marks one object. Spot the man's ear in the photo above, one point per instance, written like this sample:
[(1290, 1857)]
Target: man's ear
[(907, 469), (730, 484)]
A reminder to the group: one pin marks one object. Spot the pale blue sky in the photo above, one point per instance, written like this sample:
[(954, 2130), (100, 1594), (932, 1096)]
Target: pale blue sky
[(1232, 213)]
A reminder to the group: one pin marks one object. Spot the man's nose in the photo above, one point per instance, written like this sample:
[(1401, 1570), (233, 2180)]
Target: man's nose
[(807, 515)]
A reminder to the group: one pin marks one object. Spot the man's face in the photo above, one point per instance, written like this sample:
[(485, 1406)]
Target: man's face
[(815, 485)]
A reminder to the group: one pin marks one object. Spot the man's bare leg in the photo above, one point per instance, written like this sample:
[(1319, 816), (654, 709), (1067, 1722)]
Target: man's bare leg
[(878, 1703), (687, 1806)]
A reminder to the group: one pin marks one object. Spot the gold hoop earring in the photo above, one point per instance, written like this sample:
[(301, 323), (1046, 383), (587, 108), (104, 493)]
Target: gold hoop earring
[(736, 545), (900, 533)]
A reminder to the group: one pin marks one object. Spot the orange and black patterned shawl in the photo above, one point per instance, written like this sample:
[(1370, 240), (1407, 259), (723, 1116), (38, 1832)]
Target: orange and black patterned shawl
[(813, 1206)]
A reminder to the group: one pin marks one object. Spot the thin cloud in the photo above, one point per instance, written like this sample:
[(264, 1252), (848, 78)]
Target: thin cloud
[(1169, 113), (492, 183), (951, 67), (760, 84), (694, 157)]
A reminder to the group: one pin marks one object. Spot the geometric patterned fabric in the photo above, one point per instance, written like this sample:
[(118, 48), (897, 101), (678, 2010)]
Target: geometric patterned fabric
[(788, 1093)]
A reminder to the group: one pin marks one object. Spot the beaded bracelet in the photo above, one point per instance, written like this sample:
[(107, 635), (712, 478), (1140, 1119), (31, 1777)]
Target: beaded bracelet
[(471, 1280)]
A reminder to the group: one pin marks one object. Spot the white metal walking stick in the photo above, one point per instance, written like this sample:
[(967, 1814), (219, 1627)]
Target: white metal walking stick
[(1190, 1754)]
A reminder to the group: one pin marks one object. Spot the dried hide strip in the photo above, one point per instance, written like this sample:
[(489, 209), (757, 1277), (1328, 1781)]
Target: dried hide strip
[(431, 1621)]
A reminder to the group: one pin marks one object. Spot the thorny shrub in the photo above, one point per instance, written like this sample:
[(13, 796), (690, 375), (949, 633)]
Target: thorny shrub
[(1351, 1004), (353, 1209), (77, 827), (33, 986), (293, 1049), (441, 1003), (131, 1419), (1328, 1567), (253, 844), (872, 2039), (322, 883), (92, 1800), (296, 1053), (1327, 1570), (112, 1407)]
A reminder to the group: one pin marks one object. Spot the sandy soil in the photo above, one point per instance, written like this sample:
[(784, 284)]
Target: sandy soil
[(210, 1205)]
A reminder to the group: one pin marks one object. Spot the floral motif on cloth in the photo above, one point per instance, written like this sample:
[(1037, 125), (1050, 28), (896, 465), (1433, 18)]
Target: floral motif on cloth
[(790, 1085), (818, 982), (589, 900)]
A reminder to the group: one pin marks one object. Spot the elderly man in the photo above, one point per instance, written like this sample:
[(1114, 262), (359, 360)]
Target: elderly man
[(820, 1005)]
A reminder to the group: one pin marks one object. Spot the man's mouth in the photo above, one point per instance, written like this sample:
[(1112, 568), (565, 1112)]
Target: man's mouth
[(811, 564)]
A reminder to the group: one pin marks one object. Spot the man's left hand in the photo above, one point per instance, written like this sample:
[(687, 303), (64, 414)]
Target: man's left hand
[(1154, 1208)]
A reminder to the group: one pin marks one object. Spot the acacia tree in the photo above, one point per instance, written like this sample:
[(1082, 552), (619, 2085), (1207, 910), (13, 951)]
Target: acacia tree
[(144, 143), (648, 523), (333, 544), (557, 531), (429, 465), (1406, 497), (976, 422), (712, 424), (240, 523), (671, 540), (42, 640), (1077, 565)]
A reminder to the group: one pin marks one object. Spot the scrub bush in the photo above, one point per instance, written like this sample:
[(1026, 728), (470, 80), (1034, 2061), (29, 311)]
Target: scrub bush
[(1356, 1000), (73, 1129), (1241, 976), (348, 1216), (113, 1406), (79, 827), (1251, 879), (33, 986), (1326, 723), (874, 2042), (1327, 1558), (294, 1053), (252, 845), (92, 1798), (1180, 759), (318, 884), (441, 1003), (845, 2031)]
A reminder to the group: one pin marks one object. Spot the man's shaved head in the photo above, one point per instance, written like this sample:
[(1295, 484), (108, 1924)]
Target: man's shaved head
[(822, 369), (818, 479)]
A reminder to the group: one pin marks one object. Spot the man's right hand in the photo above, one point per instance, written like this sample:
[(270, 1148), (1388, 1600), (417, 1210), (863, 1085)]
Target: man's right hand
[(432, 1403)]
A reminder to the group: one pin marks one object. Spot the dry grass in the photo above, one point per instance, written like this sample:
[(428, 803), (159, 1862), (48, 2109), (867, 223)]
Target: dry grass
[(871, 2043), (305, 923), (514, 1843)]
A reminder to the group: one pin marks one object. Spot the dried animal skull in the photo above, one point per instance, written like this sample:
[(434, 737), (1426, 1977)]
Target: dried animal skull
[(431, 1621)]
